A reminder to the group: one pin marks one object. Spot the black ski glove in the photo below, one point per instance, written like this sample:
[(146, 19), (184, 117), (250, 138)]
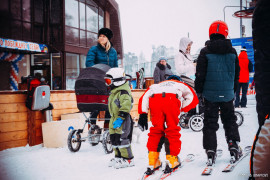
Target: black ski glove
[(143, 122)]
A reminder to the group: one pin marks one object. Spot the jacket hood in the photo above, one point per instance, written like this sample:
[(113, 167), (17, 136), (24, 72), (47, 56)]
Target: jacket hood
[(243, 55), (162, 67), (184, 43), (220, 46), (122, 87)]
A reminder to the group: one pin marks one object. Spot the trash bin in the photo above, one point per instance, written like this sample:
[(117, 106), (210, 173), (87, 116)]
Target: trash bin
[(48, 113)]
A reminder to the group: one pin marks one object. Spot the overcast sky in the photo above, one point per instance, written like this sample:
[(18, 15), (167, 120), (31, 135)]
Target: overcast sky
[(163, 22)]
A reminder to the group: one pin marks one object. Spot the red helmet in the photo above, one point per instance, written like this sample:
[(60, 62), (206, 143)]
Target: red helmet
[(219, 27)]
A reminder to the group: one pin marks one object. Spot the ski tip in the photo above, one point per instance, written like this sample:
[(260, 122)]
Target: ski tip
[(163, 176)]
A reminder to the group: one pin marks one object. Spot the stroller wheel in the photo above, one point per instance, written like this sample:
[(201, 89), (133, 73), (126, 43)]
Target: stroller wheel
[(240, 118), (196, 123), (182, 123), (106, 142), (74, 141), (94, 134)]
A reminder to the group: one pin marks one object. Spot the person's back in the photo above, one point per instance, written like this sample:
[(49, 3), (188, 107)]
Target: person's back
[(217, 75), (244, 67), (219, 71)]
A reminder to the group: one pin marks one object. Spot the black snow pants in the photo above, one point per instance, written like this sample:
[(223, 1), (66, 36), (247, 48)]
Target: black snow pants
[(228, 120)]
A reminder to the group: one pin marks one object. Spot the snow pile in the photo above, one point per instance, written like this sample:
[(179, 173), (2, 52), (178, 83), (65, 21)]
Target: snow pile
[(32, 163)]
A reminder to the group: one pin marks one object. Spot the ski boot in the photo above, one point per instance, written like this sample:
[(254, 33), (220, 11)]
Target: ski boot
[(211, 156), (122, 163), (172, 163), (113, 161), (154, 163), (235, 151)]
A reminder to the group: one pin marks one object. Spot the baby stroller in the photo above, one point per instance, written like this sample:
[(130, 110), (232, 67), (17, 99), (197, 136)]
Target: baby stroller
[(195, 121), (91, 94)]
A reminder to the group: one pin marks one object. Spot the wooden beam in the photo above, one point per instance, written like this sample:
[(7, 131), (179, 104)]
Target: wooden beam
[(31, 128), (13, 126), (64, 105), (14, 107), (13, 117), (13, 136), (63, 97), (12, 144), (12, 98)]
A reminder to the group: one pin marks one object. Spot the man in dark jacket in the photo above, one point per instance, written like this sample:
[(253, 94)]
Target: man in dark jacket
[(162, 69), (217, 75)]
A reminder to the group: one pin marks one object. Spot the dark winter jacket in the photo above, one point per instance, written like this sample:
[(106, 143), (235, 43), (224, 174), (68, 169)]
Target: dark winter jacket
[(161, 71), (261, 39), (98, 55), (217, 71)]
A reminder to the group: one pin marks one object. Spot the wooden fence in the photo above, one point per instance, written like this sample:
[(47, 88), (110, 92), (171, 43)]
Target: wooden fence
[(20, 126)]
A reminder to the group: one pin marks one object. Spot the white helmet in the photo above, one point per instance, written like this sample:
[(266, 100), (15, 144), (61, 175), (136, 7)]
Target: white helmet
[(115, 77)]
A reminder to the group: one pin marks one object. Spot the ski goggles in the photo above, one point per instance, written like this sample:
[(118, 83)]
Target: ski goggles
[(108, 81)]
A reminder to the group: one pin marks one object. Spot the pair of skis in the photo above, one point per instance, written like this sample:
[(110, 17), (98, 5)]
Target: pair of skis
[(230, 167), (162, 176)]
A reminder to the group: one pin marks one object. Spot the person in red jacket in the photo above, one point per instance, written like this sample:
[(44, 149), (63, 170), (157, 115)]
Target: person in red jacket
[(165, 100), (246, 66)]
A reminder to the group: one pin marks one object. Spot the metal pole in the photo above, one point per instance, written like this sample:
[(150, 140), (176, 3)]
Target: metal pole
[(241, 24), (224, 10), (51, 71)]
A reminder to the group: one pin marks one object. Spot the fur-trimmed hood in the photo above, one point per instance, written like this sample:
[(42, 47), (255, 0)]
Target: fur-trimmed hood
[(162, 67)]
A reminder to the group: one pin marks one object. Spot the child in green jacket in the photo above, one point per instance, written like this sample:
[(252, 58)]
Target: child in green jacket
[(120, 128)]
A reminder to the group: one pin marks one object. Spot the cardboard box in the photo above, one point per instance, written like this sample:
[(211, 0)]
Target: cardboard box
[(55, 133)]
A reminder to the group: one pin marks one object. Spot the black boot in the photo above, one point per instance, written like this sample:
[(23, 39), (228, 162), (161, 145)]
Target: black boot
[(235, 151), (211, 155)]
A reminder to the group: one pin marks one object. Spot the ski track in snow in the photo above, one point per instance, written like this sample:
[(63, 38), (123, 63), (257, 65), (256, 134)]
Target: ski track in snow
[(90, 163)]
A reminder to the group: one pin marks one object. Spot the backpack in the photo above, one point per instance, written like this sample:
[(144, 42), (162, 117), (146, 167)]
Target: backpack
[(38, 96)]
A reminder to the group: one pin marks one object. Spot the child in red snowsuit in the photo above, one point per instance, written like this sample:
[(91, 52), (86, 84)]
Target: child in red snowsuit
[(164, 102)]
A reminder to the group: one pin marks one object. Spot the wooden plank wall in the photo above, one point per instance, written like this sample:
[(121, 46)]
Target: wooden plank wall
[(13, 121), (20, 126), (63, 102)]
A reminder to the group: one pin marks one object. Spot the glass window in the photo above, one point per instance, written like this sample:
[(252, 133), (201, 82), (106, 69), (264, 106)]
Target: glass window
[(38, 12), (82, 61), (56, 71), (91, 39), (72, 70), (15, 7), (4, 5), (101, 18), (56, 12), (83, 38), (26, 10), (91, 2), (16, 29), (71, 13), (26, 31), (82, 15), (72, 35), (56, 35), (92, 18), (38, 33)]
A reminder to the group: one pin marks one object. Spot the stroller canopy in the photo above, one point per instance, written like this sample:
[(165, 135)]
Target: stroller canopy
[(91, 91)]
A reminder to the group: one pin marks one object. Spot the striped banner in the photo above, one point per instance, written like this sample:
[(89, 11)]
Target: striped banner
[(14, 59)]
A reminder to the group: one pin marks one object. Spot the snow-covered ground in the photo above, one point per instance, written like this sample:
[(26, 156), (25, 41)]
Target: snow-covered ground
[(34, 163)]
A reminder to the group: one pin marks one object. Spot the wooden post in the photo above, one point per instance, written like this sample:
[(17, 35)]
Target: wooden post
[(31, 127)]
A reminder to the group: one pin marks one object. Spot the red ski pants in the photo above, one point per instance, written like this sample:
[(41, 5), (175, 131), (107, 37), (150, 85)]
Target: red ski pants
[(165, 109)]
